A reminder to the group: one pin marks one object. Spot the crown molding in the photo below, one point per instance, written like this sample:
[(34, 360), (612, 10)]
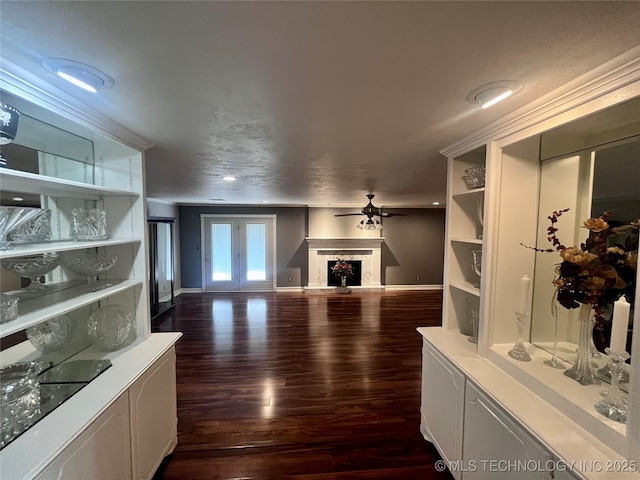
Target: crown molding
[(613, 75), (21, 83)]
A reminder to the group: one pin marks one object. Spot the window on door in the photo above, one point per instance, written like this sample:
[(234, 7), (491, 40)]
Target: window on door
[(238, 253)]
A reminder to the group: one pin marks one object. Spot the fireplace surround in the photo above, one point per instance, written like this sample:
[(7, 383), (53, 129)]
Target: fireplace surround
[(365, 249)]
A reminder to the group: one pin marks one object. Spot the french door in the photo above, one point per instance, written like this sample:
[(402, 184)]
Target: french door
[(238, 253)]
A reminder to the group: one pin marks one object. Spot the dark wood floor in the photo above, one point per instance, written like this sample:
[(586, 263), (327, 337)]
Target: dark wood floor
[(300, 386)]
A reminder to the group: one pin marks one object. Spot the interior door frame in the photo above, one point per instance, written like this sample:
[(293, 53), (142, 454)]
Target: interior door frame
[(228, 216)]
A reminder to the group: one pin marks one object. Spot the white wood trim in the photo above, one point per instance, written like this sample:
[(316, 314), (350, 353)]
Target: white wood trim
[(188, 290), (412, 287), (609, 77), (19, 82)]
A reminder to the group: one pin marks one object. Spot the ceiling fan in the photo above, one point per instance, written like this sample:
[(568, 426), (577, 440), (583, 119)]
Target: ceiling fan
[(371, 211)]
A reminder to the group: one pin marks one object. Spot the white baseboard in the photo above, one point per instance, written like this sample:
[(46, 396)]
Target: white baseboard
[(413, 287), (362, 289), (187, 290)]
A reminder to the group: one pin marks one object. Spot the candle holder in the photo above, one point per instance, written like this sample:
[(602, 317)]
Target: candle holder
[(613, 405), (518, 351), (554, 362)]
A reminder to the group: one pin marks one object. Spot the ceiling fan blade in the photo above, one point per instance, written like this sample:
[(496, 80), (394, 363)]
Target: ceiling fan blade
[(347, 214), (387, 215)]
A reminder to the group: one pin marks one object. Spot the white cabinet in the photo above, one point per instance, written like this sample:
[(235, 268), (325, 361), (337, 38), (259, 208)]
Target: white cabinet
[(496, 447), (510, 203), (92, 429), (101, 452), (152, 402), (442, 404)]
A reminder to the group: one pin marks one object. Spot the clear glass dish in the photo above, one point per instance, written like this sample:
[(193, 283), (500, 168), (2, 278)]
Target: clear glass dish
[(8, 308), (33, 267), (91, 267), (111, 328), (38, 229), (19, 399), (10, 219), (88, 224), (52, 335)]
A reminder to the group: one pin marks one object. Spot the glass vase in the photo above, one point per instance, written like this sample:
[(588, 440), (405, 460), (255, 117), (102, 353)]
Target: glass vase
[(343, 282), (581, 370)]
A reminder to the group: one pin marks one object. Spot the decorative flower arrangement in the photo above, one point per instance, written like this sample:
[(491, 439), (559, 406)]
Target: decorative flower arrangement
[(601, 269), (342, 269)]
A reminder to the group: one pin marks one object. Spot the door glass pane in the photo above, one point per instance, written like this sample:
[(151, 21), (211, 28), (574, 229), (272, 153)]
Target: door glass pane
[(221, 252), (256, 252)]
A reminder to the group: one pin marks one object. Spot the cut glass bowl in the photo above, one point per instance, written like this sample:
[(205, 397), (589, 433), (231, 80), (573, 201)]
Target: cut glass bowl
[(19, 399), (32, 267), (111, 327), (10, 219), (37, 229), (52, 335), (91, 267)]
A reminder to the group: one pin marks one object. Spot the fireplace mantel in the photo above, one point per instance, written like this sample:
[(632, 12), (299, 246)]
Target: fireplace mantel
[(366, 249)]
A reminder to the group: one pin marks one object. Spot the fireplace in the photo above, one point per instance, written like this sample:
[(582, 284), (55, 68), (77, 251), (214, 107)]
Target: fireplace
[(354, 281), (366, 250)]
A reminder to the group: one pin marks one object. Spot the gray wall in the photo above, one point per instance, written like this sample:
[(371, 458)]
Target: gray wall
[(414, 245)]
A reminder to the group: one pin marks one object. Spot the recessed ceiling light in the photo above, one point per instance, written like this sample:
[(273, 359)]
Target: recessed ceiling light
[(435, 203), (18, 199), (494, 92), (84, 76), (265, 201), (229, 178)]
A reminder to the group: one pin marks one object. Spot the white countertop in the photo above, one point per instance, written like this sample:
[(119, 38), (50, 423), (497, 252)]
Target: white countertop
[(26, 456), (567, 440)]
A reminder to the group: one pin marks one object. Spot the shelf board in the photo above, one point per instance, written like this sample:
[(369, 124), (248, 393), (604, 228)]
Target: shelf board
[(474, 241), (37, 310), (465, 287), (61, 246), (26, 182), (475, 191)]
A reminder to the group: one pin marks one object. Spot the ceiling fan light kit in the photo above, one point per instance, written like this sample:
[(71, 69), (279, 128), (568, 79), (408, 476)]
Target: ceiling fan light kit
[(370, 211)]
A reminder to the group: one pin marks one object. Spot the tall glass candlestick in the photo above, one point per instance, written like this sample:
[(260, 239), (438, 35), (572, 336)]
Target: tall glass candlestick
[(519, 352), (553, 361), (613, 405)]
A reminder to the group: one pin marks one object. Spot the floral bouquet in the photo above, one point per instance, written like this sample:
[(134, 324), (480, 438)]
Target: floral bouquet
[(342, 269), (601, 269)]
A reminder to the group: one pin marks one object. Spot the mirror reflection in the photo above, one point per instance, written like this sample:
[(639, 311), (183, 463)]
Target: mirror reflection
[(588, 181)]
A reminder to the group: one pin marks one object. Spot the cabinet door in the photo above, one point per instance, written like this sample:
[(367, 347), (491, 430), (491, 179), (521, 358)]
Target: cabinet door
[(442, 405), (496, 447), (101, 452), (152, 400)]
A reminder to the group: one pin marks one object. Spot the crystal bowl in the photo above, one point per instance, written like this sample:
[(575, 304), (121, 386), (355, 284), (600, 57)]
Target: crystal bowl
[(52, 335), (475, 176), (19, 399), (8, 308), (90, 266), (111, 327), (37, 229), (32, 267), (88, 224), (10, 219)]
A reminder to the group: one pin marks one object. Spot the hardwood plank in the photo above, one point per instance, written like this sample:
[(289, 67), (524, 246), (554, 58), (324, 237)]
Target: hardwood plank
[(299, 386)]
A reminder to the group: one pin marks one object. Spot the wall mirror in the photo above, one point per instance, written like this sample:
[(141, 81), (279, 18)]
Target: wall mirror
[(589, 166)]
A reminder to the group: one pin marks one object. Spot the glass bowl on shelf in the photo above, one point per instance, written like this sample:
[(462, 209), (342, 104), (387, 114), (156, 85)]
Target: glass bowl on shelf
[(10, 219), (8, 308), (91, 266), (19, 399), (32, 267), (88, 224), (37, 229), (52, 335), (111, 327), (475, 176)]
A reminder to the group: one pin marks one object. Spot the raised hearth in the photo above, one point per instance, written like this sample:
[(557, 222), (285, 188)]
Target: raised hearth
[(367, 250)]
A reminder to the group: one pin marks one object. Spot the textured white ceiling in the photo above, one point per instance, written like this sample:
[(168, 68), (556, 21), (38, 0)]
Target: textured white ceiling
[(311, 103)]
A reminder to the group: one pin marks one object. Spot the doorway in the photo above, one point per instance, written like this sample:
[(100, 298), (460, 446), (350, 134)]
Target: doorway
[(238, 252)]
